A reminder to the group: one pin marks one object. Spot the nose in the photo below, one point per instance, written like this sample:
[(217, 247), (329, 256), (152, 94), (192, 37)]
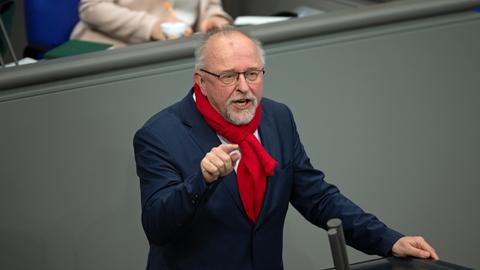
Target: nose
[(242, 84)]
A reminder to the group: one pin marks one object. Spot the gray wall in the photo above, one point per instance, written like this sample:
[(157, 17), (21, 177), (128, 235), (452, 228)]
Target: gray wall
[(390, 113), (392, 119)]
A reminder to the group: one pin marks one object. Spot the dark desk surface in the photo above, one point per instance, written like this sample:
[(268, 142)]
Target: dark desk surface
[(393, 263)]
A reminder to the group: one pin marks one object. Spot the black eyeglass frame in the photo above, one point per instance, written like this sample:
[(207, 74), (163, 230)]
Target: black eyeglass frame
[(238, 75)]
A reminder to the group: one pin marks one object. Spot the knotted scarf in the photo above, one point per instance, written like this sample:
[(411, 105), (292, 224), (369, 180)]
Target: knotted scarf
[(255, 165)]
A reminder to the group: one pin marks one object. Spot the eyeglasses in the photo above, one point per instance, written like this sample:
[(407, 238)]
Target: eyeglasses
[(230, 77)]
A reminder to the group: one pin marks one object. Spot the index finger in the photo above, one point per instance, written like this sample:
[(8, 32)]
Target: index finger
[(228, 148), (430, 249)]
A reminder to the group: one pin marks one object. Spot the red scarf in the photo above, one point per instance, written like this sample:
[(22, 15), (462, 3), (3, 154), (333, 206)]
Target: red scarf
[(255, 165)]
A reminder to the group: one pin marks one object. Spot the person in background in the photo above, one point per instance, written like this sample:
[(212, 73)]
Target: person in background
[(219, 168), (124, 22)]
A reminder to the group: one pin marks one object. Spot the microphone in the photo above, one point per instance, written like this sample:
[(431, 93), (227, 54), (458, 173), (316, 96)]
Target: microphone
[(337, 244)]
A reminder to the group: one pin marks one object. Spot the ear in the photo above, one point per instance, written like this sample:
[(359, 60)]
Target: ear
[(200, 82)]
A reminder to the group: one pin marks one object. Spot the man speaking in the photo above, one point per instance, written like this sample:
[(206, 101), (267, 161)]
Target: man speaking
[(219, 168)]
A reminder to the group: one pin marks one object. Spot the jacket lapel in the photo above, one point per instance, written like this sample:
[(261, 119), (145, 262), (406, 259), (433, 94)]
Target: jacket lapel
[(268, 134), (199, 131)]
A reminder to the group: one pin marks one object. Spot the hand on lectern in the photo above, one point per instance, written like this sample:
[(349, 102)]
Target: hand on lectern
[(414, 246)]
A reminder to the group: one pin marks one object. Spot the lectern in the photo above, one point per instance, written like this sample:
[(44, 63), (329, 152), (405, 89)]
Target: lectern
[(340, 258)]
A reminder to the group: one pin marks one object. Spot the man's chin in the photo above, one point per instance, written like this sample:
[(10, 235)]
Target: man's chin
[(240, 118)]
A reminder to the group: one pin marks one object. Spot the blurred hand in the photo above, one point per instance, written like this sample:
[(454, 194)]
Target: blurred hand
[(414, 246), (157, 31), (219, 162), (188, 32), (211, 23)]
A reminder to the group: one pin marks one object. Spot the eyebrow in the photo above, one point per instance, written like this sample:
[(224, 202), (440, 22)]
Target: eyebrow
[(233, 70)]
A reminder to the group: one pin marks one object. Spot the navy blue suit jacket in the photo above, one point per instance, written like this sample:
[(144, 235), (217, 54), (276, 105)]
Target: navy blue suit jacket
[(190, 225)]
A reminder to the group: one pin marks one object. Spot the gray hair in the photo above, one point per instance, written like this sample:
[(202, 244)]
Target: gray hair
[(226, 31)]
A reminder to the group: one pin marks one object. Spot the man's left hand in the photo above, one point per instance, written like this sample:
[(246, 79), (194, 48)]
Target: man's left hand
[(414, 246)]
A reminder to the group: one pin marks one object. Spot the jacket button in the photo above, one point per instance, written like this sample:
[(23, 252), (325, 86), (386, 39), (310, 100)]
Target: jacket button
[(195, 198)]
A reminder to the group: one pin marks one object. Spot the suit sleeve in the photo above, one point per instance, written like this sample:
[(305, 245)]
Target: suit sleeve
[(117, 21), (169, 199), (319, 201)]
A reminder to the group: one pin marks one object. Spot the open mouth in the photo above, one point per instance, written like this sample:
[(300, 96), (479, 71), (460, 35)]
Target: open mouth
[(241, 102)]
